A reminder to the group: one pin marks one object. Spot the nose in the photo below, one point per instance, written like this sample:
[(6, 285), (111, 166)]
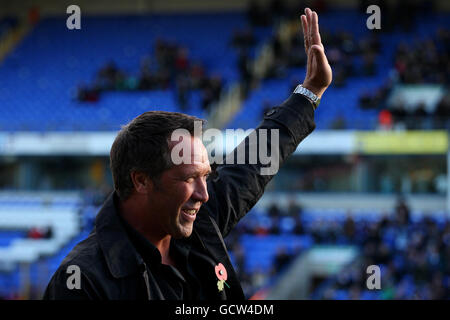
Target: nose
[(201, 191)]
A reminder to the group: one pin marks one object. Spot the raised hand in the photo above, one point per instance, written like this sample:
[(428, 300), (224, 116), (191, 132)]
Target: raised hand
[(318, 70)]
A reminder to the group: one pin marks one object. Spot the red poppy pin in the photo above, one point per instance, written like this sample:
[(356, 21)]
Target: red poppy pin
[(221, 274)]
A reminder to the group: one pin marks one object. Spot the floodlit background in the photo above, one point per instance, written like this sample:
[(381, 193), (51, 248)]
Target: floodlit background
[(368, 187)]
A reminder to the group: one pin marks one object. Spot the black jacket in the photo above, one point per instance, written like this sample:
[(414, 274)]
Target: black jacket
[(111, 268)]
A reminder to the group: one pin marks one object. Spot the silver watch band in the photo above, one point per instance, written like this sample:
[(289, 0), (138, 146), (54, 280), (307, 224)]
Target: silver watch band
[(315, 100)]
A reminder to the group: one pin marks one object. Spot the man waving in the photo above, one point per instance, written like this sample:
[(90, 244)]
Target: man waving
[(160, 234)]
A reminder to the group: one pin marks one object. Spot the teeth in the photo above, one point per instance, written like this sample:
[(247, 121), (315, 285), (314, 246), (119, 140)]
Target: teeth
[(191, 211)]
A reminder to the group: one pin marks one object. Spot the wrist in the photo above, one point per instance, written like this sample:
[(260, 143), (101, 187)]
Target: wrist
[(308, 94), (317, 91)]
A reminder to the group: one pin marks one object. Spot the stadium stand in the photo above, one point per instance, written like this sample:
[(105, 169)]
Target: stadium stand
[(342, 100), (410, 247), (38, 93), (49, 103), (32, 227), (58, 77)]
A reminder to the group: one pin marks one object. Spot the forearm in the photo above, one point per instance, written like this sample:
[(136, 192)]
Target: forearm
[(238, 186)]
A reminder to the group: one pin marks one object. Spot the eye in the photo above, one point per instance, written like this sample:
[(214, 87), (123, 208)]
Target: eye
[(190, 180)]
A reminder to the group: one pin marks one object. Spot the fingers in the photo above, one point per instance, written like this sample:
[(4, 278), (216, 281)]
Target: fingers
[(310, 24), (311, 37), (306, 25), (308, 13), (315, 35), (310, 28), (305, 33)]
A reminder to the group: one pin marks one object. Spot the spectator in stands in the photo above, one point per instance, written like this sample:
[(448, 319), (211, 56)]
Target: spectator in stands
[(257, 14), (275, 225), (216, 86), (349, 229), (274, 210), (369, 67), (298, 228), (365, 101), (36, 233), (47, 232), (182, 88), (243, 40), (402, 212), (211, 91), (172, 66), (295, 209), (197, 76), (385, 121), (109, 76), (85, 93), (245, 71), (442, 113), (146, 79), (182, 60), (277, 9), (282, 258), (423, 63)]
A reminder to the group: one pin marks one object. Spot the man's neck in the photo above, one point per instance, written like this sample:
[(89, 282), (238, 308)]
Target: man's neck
[(136, 217)]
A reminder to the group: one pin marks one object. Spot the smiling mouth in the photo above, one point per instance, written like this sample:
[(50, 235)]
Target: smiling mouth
[(189, 214)]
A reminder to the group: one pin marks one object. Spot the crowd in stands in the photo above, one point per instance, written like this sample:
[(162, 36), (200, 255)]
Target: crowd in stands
[(171, 67), (40, 233), (414, 257), (253, 281), (272, 12), (287, 47), (413, 254), (424, 62), (342, 51)]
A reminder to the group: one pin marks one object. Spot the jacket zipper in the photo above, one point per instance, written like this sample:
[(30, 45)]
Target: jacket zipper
[(147, 283)]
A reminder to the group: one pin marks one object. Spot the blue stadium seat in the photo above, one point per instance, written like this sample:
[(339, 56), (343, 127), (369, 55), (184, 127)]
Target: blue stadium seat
[(39, 78)]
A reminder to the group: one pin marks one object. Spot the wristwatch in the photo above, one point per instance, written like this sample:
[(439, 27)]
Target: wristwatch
[(315, 100)]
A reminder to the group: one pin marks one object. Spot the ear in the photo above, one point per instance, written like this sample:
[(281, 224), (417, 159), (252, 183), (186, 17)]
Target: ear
[(141, 182)]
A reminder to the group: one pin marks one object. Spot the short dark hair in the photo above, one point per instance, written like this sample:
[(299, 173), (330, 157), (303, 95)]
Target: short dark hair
[(143, 145)]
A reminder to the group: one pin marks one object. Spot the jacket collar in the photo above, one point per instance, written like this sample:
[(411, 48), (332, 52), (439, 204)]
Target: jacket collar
[(121, 257)]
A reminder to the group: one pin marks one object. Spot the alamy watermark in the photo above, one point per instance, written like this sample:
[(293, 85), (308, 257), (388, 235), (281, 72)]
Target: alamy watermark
[(374, 20), (74, 280), (74, 20), (256, 153), (374, 280)]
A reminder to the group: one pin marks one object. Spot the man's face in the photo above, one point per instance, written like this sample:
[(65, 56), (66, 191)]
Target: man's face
[(180, 191)]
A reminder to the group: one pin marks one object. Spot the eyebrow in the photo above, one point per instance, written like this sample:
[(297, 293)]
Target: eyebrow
[(207, 171), (199, 173)]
